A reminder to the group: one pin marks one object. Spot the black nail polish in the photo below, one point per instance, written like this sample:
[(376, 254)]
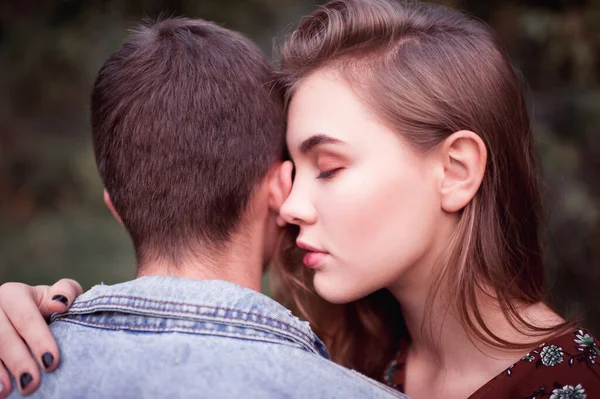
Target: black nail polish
[(26, 378), (60, 298), (47, 359)]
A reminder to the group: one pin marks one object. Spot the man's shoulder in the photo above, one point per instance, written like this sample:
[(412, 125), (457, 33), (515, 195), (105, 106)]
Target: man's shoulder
[(167, 304), (322, 372), (181, 365), (189, 336)]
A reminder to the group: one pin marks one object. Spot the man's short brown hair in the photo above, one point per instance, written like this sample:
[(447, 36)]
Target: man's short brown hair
[(184, 126)]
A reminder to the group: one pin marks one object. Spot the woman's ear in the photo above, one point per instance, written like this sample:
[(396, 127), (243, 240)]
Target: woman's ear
[(111, 207), (280, 186), (465, 157)]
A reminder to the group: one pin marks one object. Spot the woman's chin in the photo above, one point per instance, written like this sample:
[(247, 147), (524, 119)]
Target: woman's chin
[(336, 292)]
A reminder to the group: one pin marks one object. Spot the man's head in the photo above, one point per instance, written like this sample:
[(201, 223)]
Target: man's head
[(185, 128)]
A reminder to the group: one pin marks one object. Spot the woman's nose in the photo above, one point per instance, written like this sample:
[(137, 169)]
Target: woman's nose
[(297, 209)]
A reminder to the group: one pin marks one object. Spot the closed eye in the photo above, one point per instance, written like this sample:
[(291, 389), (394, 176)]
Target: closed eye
[(329, 174)]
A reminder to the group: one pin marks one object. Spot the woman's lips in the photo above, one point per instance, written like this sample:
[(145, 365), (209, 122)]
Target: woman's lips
[(314, 259)]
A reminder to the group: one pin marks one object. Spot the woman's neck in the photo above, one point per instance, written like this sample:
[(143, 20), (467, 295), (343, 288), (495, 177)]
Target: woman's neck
[(442, 353)]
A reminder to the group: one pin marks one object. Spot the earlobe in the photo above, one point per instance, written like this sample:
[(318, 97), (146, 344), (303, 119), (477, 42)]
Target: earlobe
[(280, 187), (465, 158), (111, 207)]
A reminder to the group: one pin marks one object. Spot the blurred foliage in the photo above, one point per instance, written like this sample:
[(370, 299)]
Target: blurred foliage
[(52, 220)]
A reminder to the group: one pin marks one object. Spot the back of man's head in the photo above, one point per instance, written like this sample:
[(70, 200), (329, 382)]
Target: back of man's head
[(184, 127)]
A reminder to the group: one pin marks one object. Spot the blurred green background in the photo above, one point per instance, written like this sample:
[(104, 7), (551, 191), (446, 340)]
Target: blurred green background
[(52, 219)]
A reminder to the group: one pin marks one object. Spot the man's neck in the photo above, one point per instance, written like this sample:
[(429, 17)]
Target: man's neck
[(239, 262)]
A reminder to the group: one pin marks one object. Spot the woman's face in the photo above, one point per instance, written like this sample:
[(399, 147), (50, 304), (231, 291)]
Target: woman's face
[(367, 206)]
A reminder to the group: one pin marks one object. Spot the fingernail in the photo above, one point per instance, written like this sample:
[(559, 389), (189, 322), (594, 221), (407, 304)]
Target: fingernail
[(26, 378), (1, 387), (60, 298), (47, 359)]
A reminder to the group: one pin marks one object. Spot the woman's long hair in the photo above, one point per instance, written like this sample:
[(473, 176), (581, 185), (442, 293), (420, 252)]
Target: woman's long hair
[(428, 71)]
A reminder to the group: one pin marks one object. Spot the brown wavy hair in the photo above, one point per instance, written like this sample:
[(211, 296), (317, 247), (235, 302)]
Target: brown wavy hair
[(427, 71)]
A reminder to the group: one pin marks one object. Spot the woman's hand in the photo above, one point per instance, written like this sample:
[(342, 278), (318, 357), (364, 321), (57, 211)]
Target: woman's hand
[(24, 312)]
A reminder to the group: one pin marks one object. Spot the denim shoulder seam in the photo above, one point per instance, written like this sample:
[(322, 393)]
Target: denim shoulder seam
[(83, 306), (205, 311), (184, 330)]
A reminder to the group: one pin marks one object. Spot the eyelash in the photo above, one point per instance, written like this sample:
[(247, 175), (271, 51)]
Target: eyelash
[(329, 174)]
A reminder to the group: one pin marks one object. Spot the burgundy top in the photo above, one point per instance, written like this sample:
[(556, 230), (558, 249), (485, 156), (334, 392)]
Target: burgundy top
[(566, 367)]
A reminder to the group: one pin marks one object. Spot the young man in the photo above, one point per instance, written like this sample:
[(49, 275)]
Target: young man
[(189, 139)]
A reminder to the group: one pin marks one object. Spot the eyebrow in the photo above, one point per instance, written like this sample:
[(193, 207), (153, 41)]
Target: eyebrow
[(316, 140)]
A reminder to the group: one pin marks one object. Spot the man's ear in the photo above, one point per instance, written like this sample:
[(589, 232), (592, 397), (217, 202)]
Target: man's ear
[(111, 207), (280, 185), (464, 159)]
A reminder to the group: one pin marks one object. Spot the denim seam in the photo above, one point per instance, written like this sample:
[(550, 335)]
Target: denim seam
[(81, 307), (302, 338), (186, 330), (83, 303)]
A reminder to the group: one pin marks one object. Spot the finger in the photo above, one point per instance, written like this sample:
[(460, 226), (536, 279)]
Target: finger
[(60, 296), (20, 306), (5, 385), (17, 358)]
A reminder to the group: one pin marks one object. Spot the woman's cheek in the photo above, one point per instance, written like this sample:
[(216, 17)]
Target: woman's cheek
[(351, 208)]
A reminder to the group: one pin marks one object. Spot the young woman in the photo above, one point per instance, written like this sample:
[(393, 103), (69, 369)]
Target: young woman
[(415, 208)]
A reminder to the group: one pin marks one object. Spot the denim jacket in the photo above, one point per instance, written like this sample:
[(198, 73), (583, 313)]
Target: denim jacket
[(166, 337)]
